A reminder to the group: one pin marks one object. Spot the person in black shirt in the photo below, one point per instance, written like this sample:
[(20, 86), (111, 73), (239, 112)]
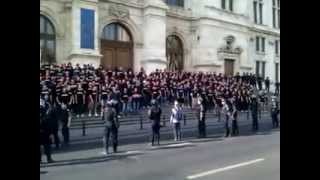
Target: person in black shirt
[(267, 84), (254, 113), (80, 100), (277, 90), (45, 130), (124, 101), (111, 127), (201, 118), (234, 116), (260, 83), (65, 117), (155, 116)]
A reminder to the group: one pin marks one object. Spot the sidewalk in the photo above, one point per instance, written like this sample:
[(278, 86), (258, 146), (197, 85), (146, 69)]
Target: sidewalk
[(132, 134)]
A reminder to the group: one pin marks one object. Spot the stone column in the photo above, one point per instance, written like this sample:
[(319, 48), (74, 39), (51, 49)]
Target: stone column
[(154, 40), (79, 55)]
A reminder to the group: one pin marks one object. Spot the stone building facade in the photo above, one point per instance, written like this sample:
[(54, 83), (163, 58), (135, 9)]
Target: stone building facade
[(226, 36)]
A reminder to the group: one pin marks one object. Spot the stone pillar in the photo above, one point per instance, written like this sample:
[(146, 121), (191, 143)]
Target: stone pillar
[(154, 40), (79, 55)]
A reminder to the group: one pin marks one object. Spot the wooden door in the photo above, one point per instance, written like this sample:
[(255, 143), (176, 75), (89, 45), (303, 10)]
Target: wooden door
[(116, 54), (229, 67), (108, 57)]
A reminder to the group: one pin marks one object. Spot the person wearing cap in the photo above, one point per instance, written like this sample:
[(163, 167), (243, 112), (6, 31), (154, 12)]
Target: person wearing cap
[(254, 112), (201, 118), (111, 127), (274, 112), (154, 114), (176, 117)]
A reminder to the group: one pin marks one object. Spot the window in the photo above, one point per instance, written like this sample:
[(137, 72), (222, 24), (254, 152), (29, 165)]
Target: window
[(258, 11), (260, 44), (47, 41), (276, 13), (277, 47), (227, 5), (263, 44), (255, 12), (116, 32), (260, 68), (257, 44), (277, 72), (257, 68), (175, 2), (223, 4), (263, 73), (87, 28)]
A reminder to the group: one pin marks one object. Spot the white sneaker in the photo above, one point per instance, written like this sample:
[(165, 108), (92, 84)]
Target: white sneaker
[(82, 115), (78, 116), (89, 115), (96, 114)]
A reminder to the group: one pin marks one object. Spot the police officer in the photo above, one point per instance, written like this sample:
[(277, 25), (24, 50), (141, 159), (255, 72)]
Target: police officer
[(45, 130), (201, 118), (154, 116), (65, 117), (111, 127), (274, 112), (254, 113)]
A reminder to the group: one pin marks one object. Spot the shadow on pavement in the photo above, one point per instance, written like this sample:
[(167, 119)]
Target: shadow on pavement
[(90, 160), (43, 172)]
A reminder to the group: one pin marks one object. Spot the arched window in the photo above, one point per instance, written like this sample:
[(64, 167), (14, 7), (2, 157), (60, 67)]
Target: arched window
[(116, 32), (47, 41), (174, 52)]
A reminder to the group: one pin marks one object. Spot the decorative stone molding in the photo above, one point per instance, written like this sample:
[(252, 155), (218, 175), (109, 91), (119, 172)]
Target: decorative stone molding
[(228, 48), (118, 11)]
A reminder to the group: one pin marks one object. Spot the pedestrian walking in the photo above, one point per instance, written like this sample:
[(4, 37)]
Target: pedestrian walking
[(201, 118), (176, 117), (154, 116), (111, 127)]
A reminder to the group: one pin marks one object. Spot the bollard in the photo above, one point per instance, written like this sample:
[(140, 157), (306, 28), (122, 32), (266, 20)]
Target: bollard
[(185, 120), (141, 123), (83, 128)]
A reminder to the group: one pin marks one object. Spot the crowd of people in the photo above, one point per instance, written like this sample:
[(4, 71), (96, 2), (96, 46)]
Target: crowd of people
[(66, 91), (86, 89)]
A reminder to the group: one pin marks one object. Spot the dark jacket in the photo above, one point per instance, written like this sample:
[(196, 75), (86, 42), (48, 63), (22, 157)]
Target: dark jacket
[(110, 118), (155, 115)]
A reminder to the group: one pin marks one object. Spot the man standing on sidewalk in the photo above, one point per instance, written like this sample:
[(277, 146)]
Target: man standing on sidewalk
[(254, 112), (111, 127), (274, 112), (45, 130), (201, 118), (154, 116), (176, 117), (65, 116)]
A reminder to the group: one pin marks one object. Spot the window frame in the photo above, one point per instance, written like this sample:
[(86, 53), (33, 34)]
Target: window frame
[(45, 37)]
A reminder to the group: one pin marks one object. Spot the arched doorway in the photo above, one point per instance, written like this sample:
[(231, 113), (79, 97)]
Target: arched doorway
[(116, 47), (174, 53), (47, 41)]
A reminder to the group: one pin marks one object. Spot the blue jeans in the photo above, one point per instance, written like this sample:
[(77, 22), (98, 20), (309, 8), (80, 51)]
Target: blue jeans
[(125, 107)]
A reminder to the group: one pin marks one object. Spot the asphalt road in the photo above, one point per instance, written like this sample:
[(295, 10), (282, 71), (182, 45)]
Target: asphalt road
[(247, 157)]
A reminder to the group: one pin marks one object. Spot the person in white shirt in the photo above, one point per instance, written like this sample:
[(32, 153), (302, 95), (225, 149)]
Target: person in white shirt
[(176, 117)]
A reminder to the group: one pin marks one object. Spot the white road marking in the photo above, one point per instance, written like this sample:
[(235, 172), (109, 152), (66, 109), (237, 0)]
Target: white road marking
[(223, 169), (177, 145)]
